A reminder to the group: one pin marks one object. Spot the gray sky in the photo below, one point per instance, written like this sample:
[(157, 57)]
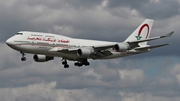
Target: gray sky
[(150, 76)]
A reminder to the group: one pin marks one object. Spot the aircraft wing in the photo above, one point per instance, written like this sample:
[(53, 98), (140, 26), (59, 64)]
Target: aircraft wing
[(100, 54), (96, 48), (104, 47), (64, 49), (150, 39), (99, 51), (70, 49)]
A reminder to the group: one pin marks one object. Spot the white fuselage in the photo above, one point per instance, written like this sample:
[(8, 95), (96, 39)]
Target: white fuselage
[(42, 43)]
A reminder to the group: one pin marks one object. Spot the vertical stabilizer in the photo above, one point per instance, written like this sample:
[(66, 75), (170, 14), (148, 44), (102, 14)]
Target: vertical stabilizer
[(142, 32)]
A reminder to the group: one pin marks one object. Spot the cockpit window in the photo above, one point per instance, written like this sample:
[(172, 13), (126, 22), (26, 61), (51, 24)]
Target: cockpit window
[(19, 33)]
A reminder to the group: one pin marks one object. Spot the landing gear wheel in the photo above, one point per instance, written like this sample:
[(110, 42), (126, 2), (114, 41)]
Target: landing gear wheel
[(76, 64), (82, 62), (80, 65), (66, 66), (87, 64), (64, 62), (23, 59)]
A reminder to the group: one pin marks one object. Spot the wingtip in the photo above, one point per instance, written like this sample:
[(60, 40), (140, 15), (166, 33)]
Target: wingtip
[(168, 44), (170, 34)]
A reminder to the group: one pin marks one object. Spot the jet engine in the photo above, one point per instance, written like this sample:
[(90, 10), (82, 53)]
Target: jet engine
[(84, 52), (42, 58), (121, 47)]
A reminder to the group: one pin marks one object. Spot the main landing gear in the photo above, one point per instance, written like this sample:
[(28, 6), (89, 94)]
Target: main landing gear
[(64, 62), (79, 63), (23, 58), (82, 62)]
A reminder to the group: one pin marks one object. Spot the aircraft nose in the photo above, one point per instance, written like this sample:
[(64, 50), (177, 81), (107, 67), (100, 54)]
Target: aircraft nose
[(9, 42)]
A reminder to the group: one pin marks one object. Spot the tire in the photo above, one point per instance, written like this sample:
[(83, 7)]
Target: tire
[(23, 59)]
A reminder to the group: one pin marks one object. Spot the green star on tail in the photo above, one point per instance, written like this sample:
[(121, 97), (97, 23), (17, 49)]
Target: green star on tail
[(138, 37)]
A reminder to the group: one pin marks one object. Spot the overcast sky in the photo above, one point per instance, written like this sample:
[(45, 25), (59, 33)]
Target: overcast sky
[(153, 76)]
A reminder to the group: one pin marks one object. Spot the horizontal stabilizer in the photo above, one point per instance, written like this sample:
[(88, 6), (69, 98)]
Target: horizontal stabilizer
[(150, 47), (150, 39), (168, 35)]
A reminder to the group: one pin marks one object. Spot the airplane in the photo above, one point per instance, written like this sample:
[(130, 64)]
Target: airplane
[(46, 46)]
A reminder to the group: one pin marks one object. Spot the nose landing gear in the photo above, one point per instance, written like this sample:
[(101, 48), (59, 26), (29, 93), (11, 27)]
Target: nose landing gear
[(23, 58)]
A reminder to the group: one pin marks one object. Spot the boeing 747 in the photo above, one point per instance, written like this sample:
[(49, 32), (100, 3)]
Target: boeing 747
[(46, 46)]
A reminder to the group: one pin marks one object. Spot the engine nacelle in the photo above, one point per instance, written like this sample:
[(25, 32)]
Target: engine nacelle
[(85, 52), (42, 58), (121, 47)]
